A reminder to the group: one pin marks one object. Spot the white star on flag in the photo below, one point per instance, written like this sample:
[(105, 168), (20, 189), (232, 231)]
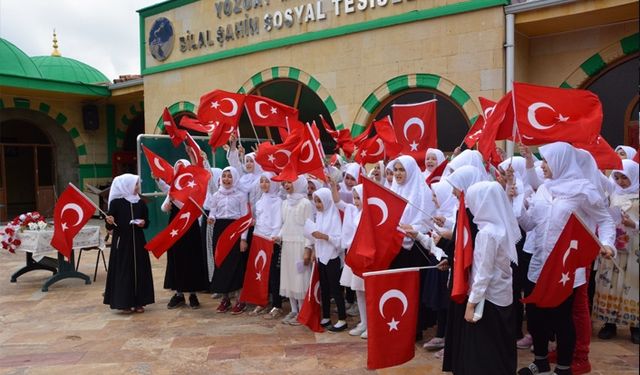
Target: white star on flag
[(191, 184), (64, 227), (173, 233), (565, 278), (393, 324), (215, 105), (258, 276), (363, 153), (562, 118), (414, 146), (271, 158), (274, 110)]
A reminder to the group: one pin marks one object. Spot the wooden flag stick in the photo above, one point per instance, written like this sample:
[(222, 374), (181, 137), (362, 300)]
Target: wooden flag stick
[(397, 270), (87, 198), (251, 122), (199, 207)]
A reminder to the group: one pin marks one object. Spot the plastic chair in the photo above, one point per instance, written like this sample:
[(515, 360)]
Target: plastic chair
[(100, 253)]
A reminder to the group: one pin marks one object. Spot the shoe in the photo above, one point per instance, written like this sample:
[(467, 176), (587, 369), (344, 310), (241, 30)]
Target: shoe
[(216, 295), (579, 367), (358, 330), (139, 309), (193, 302), (364, 335), (288, 317), (608, 331), (439, 354), (238, 308), (258, 310), (175, 302), (353, 310), (435, 343), (326, 324), (333, 328), (533, 369), (525, 342), (294, 320), (224, 306), (635, 335), (274, 313)]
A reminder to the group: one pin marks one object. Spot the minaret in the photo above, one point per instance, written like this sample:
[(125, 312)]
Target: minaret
[(55, 45)]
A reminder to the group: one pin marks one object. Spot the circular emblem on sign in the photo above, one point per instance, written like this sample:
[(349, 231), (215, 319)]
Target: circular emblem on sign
[(161, 39)]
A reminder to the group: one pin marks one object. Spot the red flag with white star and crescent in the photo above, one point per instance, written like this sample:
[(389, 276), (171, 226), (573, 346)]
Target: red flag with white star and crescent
[(190, 181), (268, 112), (415, 126), (160, 168), (392, 312), (575, 248), (255, 288), (462, 255), (221, 106), (311, 311), (176, 135), (180, 224), (71, 212), (230, 236)]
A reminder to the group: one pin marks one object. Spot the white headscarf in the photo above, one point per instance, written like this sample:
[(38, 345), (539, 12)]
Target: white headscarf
[(470, 157), (350, 220), (519, 165), (327, 222), (464, 177), (214, 181), (415, 190), (300, 186), (389, 167), (380, 165), (567, 174), (124, 186), (353, 170), (439, 157), (234, 185), (629, 169), (630, 151), (249, 181), (492, 213), (317, 183), (447, 202)]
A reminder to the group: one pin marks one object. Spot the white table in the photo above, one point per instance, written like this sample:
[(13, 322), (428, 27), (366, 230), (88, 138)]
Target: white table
[(36, 245)]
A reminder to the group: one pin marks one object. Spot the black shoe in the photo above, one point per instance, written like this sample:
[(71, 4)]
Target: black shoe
[(635, 335), (326, 325), (193, 301), (337, 329), (607, 331), (175, 302)]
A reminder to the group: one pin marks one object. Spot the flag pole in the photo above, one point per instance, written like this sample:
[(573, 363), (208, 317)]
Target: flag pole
[(251, 122), (92, 202), (197, 205), (397, 270), (594, 238)]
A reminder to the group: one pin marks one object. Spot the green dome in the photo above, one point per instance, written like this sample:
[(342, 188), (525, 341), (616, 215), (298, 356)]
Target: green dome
[(15, 62), (66, 69)]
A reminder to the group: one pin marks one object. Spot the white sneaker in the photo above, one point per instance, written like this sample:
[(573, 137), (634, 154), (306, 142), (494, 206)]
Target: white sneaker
[(294, 320), (353, 310), (288, 317), (358, 330), (364, 335), (435, 343)]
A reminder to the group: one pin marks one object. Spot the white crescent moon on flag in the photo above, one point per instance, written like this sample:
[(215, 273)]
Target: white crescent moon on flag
[(74, 207), (156, 162), (531, 115), (383, 207), (234, 107), (257, 106), (186, 217), (177, 181), (413, 121), (393, 293), (465, 237), (210, 127), (316, 289), (286, 152), (380, 148), (311, 153), (489, 111), (231, 130), (261, 255)]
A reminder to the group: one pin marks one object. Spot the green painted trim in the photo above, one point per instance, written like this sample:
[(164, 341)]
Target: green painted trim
[(398, 84), (111, 129), (242, 91), (314, 84), (411, 16), (82, 150), (565, 85), (630, 44), (371, 103), (427, 80), (275, 72), (357, 129), (44, 108), (61, 119), (257, 79), (74, 133), (53, 85), (460, 96), (163, 7), (294, 73), (189, 107), (593, 65), (473, 119), (339, 126), (21, 103), (142, 40), (330, 104), (176, 108)]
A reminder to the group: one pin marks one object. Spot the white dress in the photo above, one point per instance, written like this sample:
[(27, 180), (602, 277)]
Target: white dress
[(294, 284)]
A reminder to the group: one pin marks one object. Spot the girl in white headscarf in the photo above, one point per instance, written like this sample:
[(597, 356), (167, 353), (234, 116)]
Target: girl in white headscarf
[(186, 267), (296, 249), (489, 345), (249, 172), (227, 205), (472, 158), (432, 160), (377, 172), (326, 241), (351, 178), (626, 152), (564, 191), (388, 174), (129, 285), (616, 298)]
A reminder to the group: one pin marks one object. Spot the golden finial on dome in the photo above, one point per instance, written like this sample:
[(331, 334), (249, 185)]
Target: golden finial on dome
[(55, 45)]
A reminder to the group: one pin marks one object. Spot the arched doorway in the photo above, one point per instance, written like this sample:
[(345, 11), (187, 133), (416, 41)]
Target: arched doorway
[(28, 168), (125, 160)]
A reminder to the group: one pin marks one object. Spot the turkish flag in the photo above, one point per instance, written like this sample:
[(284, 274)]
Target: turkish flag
[(273, 158), (384, 129), (180, 224), (329, 129), (636, 158), (71, 212), (311, 310), (306, 157), (463, 255), (498, 126), (195, 124), (392, 313), (160, 168), (605, 156), (221, 134), (255, 288), (230, 236), (383, 145), (436, 174), (190, 181), (195, 151), (415, 126), (370, 151), (474, 132), (268, 112), (221, 106), (176, 135), (575, 248), (345, 142), (550, 114), (381, 213)]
